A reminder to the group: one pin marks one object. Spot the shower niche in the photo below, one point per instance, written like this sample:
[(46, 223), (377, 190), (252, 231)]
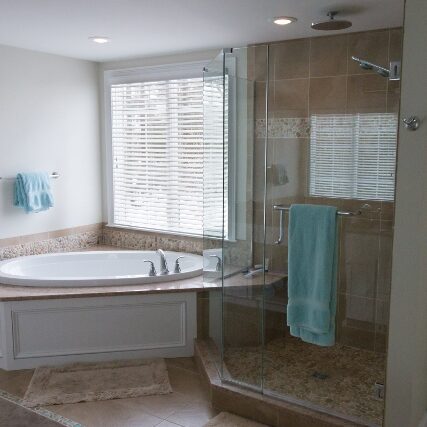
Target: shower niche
[(300, 122)]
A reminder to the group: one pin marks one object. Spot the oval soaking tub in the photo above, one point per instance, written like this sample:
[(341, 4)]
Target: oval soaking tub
[(96, 268)]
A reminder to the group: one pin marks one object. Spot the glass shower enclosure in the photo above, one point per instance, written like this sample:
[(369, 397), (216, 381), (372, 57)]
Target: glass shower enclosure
[(231, 234), (268, 125)]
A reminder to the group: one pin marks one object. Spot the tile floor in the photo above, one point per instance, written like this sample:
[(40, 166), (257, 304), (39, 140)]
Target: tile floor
[(187, 406)]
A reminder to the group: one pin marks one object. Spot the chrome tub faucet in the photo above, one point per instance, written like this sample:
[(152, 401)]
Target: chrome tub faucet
[(163, 263)]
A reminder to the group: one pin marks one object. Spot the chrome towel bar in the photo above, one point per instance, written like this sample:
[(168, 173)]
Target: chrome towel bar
[(283, 209), (53, 175)]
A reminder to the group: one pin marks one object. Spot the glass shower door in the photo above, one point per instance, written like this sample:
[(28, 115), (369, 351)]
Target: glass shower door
[(242, 284), (236, 309), (269, 129), (331, 147), (213, 205)]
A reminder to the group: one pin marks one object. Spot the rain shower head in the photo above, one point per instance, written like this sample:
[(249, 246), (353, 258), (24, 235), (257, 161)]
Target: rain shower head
[(331, 24)]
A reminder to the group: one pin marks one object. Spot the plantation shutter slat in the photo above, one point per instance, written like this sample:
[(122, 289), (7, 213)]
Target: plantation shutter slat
[(353, 156), (157, 153)]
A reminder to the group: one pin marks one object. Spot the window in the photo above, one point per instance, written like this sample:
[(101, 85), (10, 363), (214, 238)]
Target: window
[(353, 156), (157, 157)]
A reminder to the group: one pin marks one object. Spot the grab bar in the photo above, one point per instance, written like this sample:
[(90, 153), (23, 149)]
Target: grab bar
[(283, 209)]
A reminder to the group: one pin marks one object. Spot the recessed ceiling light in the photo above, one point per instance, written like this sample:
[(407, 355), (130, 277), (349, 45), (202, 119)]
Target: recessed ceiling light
[(100, 40), (284, 20)]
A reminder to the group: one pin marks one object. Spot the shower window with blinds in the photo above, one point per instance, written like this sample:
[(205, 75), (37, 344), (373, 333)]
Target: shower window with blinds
[(156, 152), (353, 156)]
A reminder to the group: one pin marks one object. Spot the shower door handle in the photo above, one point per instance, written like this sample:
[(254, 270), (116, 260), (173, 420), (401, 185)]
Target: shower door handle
[(412, 122), (281, 228)]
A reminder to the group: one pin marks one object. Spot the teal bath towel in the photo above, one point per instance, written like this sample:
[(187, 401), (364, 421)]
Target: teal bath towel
[(32, 192), (312, 274)]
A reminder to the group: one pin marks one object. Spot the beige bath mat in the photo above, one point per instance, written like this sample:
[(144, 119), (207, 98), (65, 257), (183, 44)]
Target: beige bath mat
[(86, 382), (224, 419)]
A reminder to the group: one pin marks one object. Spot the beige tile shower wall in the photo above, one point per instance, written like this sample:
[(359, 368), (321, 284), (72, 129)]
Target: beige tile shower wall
[(317, 75)]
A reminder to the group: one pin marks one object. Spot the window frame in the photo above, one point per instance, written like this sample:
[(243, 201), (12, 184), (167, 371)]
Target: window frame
[(147, 74)]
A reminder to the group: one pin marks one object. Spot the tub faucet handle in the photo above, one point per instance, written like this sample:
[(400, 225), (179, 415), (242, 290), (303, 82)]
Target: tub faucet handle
[(177, 268), (152, 271), (218, 265)]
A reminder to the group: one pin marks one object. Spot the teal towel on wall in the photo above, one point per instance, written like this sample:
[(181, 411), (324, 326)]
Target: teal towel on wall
[(312, 274), (32, 192)]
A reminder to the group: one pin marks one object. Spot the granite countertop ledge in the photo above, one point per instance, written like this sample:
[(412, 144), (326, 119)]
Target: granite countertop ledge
[(195, 284)]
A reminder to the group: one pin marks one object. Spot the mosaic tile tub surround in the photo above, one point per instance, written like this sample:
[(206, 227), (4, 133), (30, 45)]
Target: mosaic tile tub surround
[(235, 253), (51, 242), (141, 240), (81, 238)]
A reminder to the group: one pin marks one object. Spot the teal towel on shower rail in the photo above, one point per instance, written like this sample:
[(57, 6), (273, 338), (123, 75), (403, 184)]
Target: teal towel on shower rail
[(32, 192), (312, 273)]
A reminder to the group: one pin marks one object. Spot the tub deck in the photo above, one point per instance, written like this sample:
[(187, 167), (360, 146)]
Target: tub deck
[(195, 284)]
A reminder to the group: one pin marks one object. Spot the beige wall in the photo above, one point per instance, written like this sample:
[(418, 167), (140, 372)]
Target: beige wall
[(406, 392), (317, 75), (49, 121)]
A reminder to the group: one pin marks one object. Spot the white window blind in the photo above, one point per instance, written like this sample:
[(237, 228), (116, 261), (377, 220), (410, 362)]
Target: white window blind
[(157, 155), (353, 156)]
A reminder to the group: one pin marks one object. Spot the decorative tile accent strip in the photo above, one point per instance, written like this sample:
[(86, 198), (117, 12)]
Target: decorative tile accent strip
[(148, 241), (283, 128), (41, 411), (59, 244)]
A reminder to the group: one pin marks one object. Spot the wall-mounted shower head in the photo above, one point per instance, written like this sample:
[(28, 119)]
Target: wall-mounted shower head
[(366, 65), (331, 24), (382, 72)]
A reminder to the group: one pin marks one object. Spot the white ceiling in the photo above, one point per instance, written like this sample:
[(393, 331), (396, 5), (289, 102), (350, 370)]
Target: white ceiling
[(158, 27)]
